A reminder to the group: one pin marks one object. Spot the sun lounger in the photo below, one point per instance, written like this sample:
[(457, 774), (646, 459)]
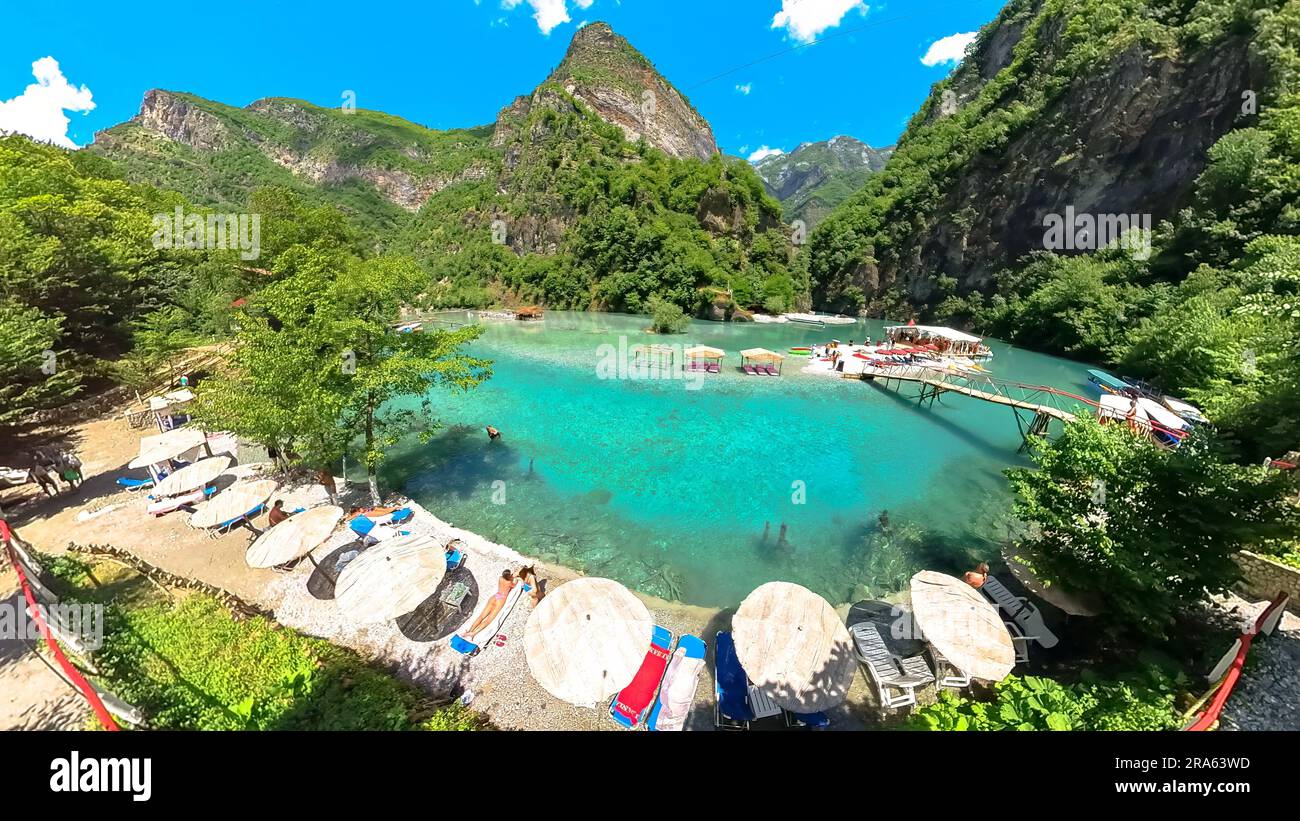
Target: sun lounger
[(770, 370), (761, 703), (134, 484), (714, 367), (630, 705), (731, 687), (946, 672), (474, 644), (750, 369), (677, 692), (455, 559), (230, 524), (160, 507), (894, 687), (1020, 640), (1019, 610)]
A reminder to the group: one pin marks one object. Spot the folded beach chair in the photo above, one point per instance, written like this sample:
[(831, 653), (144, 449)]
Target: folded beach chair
[(677, 692), (894, 687), (630, 705), (475, 643), (1019, 610), (731, 686)]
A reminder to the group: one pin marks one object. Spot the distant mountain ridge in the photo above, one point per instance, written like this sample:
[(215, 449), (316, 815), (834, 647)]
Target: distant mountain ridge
[(603, 187), (816, 177)]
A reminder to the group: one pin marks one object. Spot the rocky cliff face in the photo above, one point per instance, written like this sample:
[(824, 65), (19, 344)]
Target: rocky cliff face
[(604, 72), (814, 178), (405, 164), (1055, 108)]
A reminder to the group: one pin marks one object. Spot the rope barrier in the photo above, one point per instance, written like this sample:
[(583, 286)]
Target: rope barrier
[(73, 674)]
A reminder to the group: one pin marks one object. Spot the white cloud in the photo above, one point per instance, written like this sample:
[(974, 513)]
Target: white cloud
[(950, 49), (763, 153), (547, 13), (38, 111), (745, 89), (805, 19)]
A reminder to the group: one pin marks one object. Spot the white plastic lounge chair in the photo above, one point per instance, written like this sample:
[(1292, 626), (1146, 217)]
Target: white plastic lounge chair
[(947, 672), (474, 644), (1019, 610), (894, 687)]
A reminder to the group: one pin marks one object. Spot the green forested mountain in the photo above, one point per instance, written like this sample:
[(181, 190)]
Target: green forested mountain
[(601, 188), (816, 177), (1183, 110)]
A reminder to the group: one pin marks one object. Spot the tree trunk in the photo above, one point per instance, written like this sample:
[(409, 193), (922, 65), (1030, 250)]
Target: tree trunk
[(326, 479), (371, 476)]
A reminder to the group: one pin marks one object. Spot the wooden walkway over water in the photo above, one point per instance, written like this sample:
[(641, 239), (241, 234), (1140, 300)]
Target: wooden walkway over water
[(1045, 403)]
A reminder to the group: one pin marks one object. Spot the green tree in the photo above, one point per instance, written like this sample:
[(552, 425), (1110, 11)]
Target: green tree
[(1148, 530), (33, 376)]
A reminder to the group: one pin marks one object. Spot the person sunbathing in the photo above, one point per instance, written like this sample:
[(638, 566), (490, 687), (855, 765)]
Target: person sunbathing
[(975, 578), (505, 584)]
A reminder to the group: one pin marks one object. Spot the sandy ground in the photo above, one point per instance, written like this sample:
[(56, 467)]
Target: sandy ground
[(497, 680)]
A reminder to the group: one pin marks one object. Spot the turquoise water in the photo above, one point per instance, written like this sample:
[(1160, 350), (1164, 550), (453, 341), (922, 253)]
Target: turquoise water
[(670, 489)]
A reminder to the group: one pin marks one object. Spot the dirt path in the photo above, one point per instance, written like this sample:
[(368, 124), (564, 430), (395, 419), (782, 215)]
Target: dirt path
[(32, 696)]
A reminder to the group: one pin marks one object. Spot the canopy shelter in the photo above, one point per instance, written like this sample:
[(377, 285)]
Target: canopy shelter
[(392, 579), (657, 356), (1108, 383), (1114, 406), (161, 447), (586, 640), (168, 409), (295, 538), (962, 625), (795, 647), (192, 477), (704, 358), (1075, 604), (761, 361), (943, 340), (239, 501)]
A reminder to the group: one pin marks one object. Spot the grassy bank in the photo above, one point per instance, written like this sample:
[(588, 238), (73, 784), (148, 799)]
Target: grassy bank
[(189, 665)]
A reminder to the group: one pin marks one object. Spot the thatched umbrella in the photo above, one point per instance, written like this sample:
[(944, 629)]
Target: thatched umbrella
[(192, 477), (392, 579), (297, 537), (794, 645), (234, 502), (1075, 604), (169, 445), (962, 625), (586, 640)]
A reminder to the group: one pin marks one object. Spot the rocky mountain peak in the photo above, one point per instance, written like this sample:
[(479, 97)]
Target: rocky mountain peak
[(606, 73)]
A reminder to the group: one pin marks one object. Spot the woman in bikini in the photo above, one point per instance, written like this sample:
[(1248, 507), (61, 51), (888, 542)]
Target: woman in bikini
[(505, 584)]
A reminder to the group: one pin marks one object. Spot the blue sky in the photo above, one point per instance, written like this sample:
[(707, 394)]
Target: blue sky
[(449, 63)]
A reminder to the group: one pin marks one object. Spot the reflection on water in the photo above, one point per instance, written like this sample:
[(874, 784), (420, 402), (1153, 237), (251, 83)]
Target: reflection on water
[(702, 495)]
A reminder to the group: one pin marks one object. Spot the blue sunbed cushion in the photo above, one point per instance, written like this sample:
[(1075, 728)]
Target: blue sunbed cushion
[(463, 645), (732, 683), (692, 645), (361, 525), (400, 516)]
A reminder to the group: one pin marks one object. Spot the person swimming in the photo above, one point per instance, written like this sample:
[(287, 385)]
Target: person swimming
[(493, 433)]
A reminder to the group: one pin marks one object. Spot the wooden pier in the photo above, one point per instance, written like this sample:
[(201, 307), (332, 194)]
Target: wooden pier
[(1041, 401)]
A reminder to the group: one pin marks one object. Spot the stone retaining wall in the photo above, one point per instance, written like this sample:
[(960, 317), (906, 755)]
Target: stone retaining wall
[(1264, 578)]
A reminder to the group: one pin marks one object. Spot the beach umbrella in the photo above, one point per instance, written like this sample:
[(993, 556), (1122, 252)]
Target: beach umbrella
[(192, 477), (962, 625), (795, 646), (586, 640), (295, 538), (234, 502), (169, 445), (391, 579), (1075, 604)]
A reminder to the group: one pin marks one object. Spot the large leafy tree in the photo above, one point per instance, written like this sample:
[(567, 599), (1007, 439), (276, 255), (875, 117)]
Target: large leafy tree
[(318, 366), (1146, 529), (31, 375)]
